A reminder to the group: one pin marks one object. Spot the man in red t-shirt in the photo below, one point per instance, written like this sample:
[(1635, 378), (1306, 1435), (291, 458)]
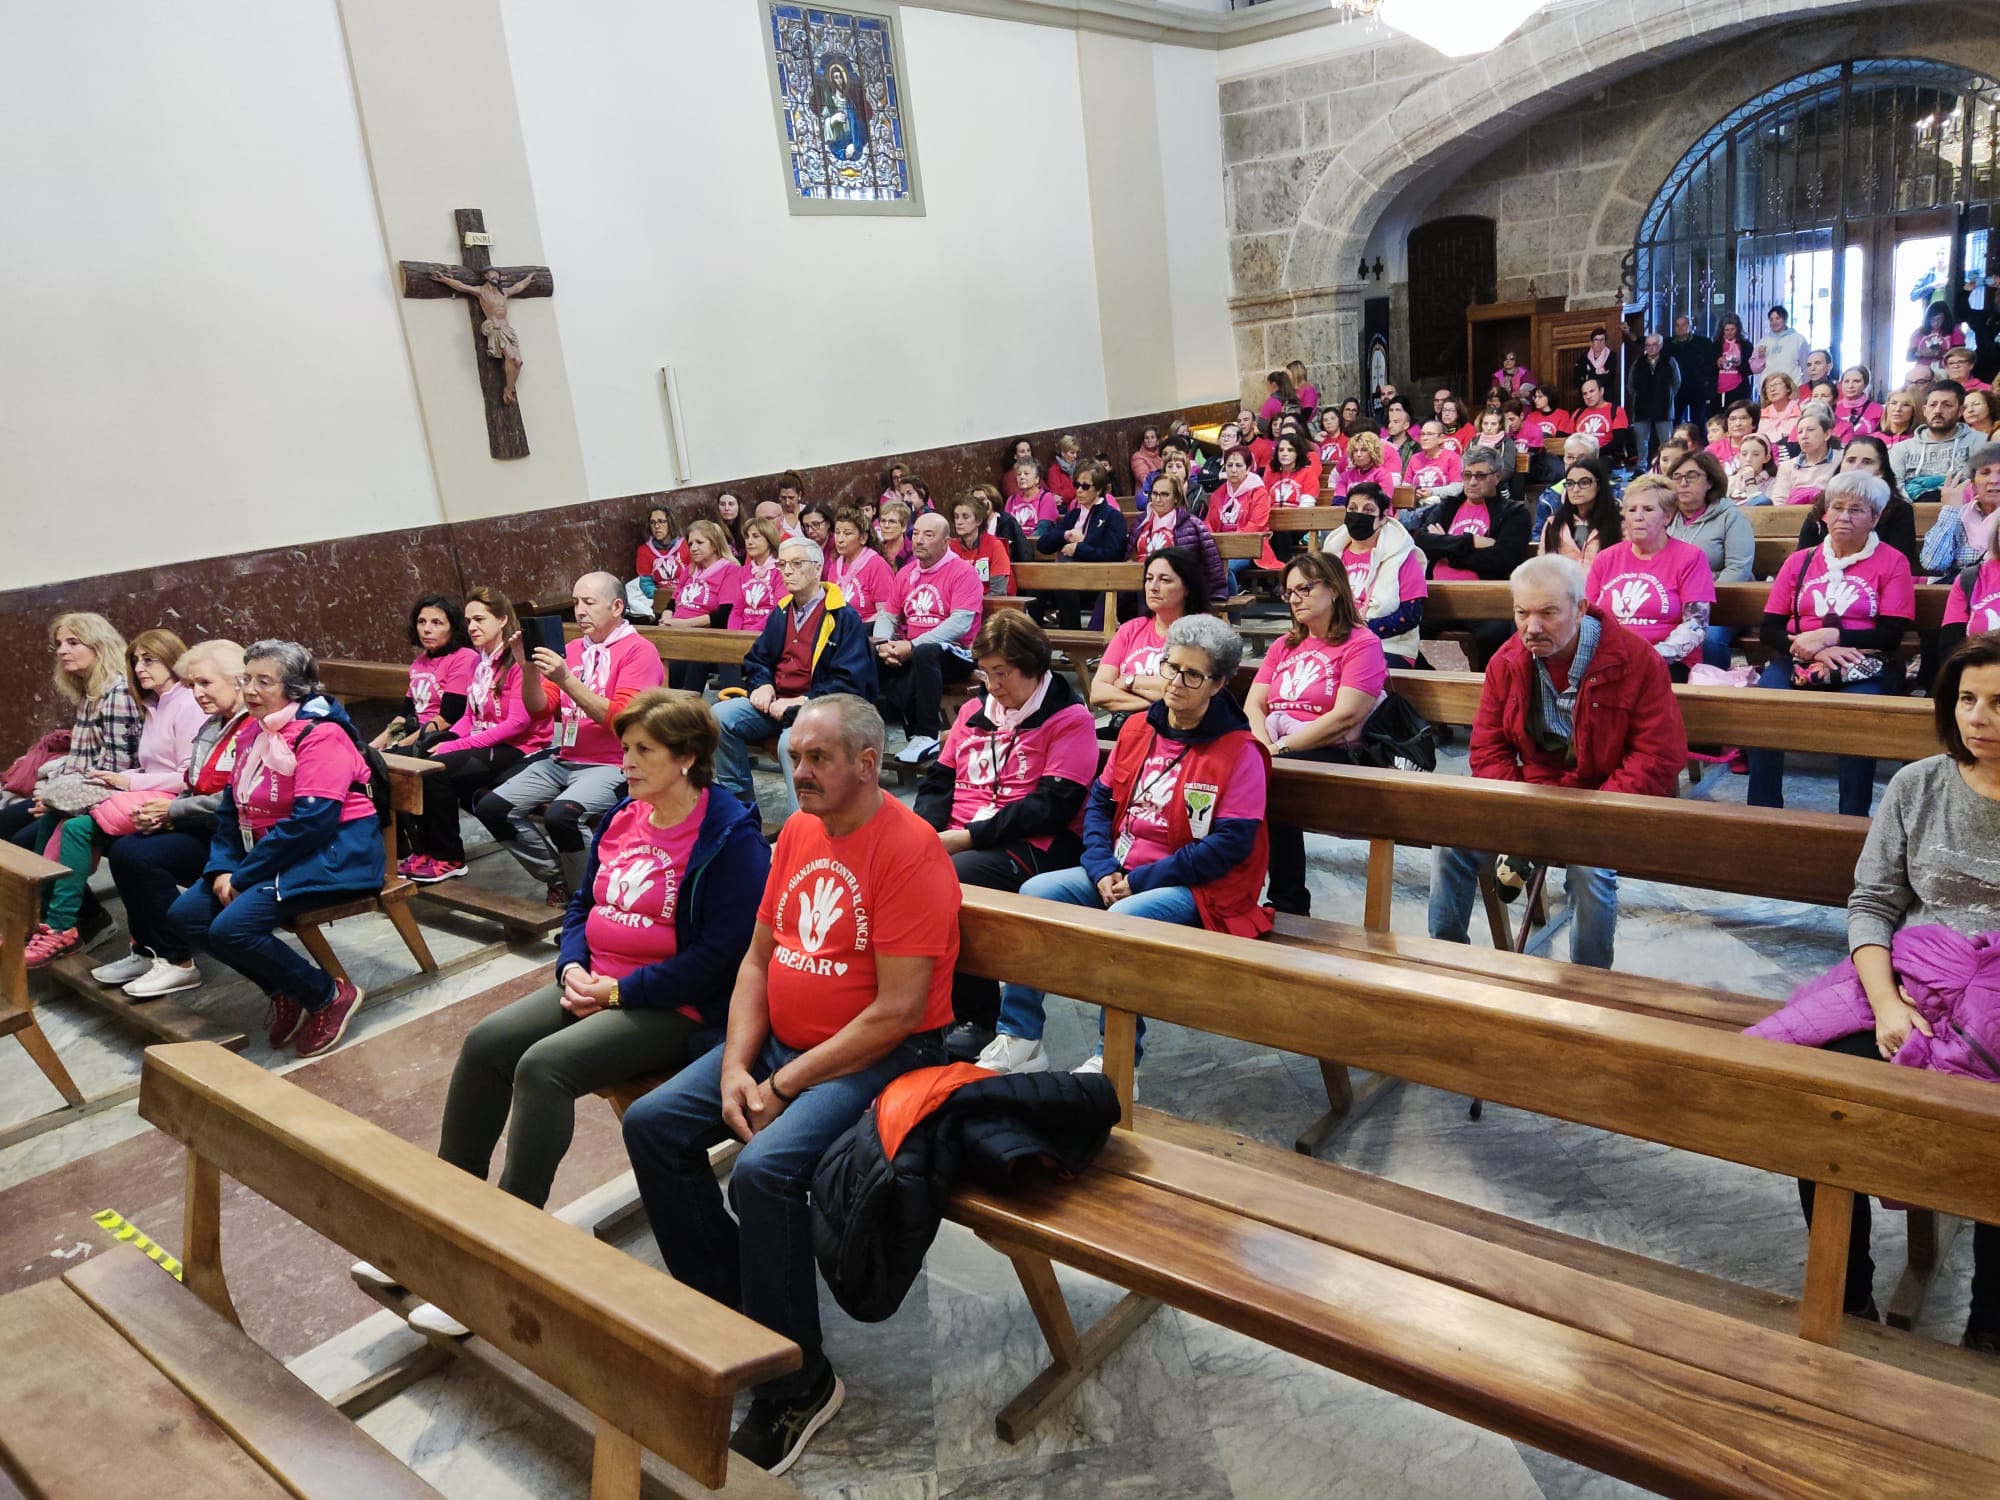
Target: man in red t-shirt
[(847, 986)]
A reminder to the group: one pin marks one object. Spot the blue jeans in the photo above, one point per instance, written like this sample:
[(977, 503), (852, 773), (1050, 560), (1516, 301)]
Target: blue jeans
[(244, 935), (741, 723), (1238, 566), (1021, 1013), (1718, 643), (761, 1261), (1854, 774), (1593, 900), (149, 870)]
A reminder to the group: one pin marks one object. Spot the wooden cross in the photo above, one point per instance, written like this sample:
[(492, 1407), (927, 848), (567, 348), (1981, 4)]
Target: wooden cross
[(505, 436)]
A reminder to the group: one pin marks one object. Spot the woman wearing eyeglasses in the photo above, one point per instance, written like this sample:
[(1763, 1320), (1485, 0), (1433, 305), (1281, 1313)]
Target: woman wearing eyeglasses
[(1092, 531), (1173, 829), (1313, 694)]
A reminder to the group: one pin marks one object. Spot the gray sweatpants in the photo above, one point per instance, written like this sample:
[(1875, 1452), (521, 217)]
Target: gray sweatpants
[(575, 795)]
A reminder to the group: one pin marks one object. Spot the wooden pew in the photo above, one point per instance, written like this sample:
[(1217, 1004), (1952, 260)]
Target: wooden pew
[(656, 1364), (1662, 1377), (23, 878), (1736, 604), (1785, 520), (1812, 723), (406, 793)]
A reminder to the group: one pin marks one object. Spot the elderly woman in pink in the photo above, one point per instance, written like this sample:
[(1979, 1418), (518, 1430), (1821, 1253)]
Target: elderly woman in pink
[(1653, 584), (1778, 417), (1006, 793), (1802, 477)]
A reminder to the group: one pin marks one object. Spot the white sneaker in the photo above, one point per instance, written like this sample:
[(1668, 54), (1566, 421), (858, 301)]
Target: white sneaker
[(914, 752), (164, 978), (1091, 1064), (119, 971), (433, 1319), (374, 1275), (1014, 1054)]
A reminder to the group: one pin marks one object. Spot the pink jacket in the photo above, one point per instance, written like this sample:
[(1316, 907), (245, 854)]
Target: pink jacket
[(1954, 982), (167, 740)]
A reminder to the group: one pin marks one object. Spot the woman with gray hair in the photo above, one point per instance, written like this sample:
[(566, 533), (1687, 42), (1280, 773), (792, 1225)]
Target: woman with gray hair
[(1836, 615), (295, 830), (1173, 828)]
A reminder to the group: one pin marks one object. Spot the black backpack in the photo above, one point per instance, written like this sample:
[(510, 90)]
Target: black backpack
[(377, 784)]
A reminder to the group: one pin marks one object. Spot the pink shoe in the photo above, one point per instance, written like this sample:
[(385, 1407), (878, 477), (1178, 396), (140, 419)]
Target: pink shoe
[(410, 865), (286, 1017), (324, 1027), (435, 870), (47, 945)]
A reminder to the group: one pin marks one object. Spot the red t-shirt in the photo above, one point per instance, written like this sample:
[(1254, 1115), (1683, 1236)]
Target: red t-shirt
[(833, 904), (1600, 421), (990, 561), (640, 871)]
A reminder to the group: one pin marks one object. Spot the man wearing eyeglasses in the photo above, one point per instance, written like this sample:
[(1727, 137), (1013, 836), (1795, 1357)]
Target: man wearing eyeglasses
[(813, 644)]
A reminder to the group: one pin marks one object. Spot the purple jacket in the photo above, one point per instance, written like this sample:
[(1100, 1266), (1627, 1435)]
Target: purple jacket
[(1954, 982)]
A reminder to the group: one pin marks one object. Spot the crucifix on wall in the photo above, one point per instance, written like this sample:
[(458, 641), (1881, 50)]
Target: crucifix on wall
[(496, 346)]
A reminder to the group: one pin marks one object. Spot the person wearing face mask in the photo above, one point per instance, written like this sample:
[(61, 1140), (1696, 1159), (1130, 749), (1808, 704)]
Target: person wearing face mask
[(1006, 792), (577, 777), (1385, 570)]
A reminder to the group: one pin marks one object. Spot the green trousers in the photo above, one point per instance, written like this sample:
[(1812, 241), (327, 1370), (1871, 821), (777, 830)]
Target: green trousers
[(536, 1060), (64, 905)]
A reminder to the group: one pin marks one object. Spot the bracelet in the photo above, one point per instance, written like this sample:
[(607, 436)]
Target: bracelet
[(612, 999), (777, 1093)]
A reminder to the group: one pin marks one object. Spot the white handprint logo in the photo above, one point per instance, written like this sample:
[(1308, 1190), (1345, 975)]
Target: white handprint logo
[(1297, 677), (625, 886), (1992, 618), (1833, 600), (818, 912), (1629, 598)]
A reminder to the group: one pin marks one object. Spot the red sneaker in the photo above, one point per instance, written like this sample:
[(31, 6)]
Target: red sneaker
[(409, 865), (48, 945), (286, 1016), (325, 1027), (435, 870), (558, 894)]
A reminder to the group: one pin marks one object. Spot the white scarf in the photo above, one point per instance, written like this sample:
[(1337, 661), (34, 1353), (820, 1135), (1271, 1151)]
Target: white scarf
[(1007, 720), (1379, 590), (479, 695), (1836, 569)]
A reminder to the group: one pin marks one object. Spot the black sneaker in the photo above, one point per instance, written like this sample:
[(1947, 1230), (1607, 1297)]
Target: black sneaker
[(775, 1433), (965, 1041), (1981, 1340), (1511, 875)]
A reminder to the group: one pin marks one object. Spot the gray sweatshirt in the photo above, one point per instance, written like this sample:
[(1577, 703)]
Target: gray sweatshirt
[(1724, 536), (1932, 856)]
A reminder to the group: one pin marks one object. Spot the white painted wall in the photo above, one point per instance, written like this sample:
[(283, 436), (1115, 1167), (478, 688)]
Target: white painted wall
[(1189, 125), (201, 350), (802, 340)]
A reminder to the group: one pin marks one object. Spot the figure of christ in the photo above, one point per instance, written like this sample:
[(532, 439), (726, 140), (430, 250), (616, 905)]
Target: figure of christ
[(502, 343)]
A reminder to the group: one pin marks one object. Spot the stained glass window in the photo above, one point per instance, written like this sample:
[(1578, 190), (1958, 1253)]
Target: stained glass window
[(843, 110)]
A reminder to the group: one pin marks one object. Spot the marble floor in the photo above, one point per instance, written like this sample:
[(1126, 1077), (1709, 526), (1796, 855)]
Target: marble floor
[(1184, 1409)]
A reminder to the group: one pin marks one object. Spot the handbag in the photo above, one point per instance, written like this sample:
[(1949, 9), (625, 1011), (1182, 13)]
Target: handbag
[(1397, 737), (67, 792)]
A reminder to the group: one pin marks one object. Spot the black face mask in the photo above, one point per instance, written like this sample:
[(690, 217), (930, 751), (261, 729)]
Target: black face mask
[(1361, 527)]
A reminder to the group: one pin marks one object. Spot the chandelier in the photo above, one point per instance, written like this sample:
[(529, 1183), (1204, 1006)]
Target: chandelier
[(1457, 28)]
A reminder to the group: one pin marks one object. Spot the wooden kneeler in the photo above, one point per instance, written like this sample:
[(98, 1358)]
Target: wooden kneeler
[(1073, 1356), (22, 878), (406, 795)]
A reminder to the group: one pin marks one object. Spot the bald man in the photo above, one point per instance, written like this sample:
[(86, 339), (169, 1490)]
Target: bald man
[(579, 776)]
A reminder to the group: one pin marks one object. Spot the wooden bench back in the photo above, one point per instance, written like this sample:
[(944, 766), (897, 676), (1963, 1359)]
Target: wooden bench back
[(1847, 1122), (720, 647), (651, 1358), (1815, 723), (1785, 520), (1706, 845), (1736, 604), (351, 681)]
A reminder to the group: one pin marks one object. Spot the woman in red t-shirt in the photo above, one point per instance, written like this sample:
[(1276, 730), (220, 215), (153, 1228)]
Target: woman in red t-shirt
[(972, 541)]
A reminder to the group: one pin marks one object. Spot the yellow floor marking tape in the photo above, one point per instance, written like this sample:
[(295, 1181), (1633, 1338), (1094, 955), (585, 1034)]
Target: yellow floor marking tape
[(113, 1223)]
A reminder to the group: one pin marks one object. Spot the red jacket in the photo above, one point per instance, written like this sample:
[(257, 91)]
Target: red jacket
[(1628, 732)]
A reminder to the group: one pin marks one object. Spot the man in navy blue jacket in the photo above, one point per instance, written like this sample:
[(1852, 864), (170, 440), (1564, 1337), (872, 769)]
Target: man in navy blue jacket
[(812, 645)]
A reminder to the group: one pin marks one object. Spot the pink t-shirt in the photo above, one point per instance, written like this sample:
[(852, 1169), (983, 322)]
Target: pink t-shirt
[(1983, 614), (1384, 474), (763, 587), (1434, 471), (995, 768), (1646, 594), (1863, 594), (434, 678), (1142, 837), (1029, 511), (1471, 519), (626, 664), (1302, 681), (715, 586), (329, 765), (868, 583), (1600, 421), (1410, 580), (1138, 648), (931, 596), (640, 870)]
